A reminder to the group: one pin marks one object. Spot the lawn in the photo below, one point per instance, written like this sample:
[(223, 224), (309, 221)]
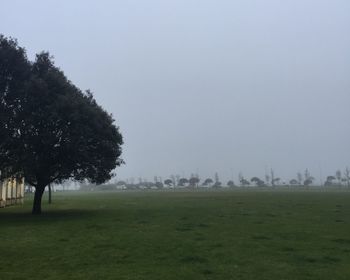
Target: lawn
[(179, 235)]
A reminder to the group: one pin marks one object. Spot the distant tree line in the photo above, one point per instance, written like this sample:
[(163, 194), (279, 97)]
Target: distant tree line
[(305, 179)]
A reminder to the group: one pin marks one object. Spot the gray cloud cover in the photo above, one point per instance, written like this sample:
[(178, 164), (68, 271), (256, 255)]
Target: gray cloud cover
[(206, 86)]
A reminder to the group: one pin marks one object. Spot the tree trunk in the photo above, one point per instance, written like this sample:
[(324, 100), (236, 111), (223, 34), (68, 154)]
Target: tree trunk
[(39, 191), (50, 197)]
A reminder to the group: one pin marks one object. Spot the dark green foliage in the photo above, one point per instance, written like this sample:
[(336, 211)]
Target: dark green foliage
[(193, 181), (14, 75), (308, 181), (330, 178), (308, 178), (208, 182), (168, 182), (230, 184), (329, 181), (257, 181), (217, 184), (293, 182), (183, 182), (244, 182), (50, 131)]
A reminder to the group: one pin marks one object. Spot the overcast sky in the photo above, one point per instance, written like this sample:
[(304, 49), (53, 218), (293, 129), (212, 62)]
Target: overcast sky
[(206, 86)]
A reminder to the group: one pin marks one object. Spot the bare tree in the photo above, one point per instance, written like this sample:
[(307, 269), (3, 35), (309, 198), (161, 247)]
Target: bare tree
[(177, 182), (193, 182), (308, 178), (307, 174), (216, 177), (347, 176), (300, 178), (276, 181), (173, 179), (273, 181), (217, 183), (267, 179), (240, 177), (338, 176)]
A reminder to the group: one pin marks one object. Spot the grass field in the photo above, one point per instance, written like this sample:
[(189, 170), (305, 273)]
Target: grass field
[(179, 235)]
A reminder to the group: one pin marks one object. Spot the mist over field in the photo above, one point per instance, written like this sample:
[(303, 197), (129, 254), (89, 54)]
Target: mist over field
[(206, 86), (232, 119)]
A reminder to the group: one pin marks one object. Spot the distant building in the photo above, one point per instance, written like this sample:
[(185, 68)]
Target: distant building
[(11, 191)]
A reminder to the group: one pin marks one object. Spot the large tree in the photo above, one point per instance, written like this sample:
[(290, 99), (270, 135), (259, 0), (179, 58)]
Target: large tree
[(51, 131)]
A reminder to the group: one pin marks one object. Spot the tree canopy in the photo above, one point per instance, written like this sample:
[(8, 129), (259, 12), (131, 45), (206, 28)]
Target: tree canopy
[(193, 181), (168, 182), (258, 181), (50, 130), (230, 183), (208, 182)]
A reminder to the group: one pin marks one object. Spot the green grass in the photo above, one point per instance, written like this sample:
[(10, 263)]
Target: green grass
[(179, 235)]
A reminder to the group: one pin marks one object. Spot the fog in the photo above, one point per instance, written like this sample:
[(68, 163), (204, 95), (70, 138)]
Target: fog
[(206, 86)]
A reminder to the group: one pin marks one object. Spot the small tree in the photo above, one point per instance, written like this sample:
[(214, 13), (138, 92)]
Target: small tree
[(276, 181), (308, 178), (231, 184), (121, 183), (338, 175), (183, 182), (208, 182), (309, 181), (347, 176), (173, 179), (159, 185), (257, 181), (168, 182), (307, 174), (267, 178), (273, 180), (216, 177), (329, 181), (293, 182), (300, 178), (193, 182), (177, 181), (242, 180)]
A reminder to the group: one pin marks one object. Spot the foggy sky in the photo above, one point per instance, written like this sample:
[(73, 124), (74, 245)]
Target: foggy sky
[(206, 86)]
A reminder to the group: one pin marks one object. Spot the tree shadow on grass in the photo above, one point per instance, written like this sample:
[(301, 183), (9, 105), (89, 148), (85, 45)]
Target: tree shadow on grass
[(25, 217)]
